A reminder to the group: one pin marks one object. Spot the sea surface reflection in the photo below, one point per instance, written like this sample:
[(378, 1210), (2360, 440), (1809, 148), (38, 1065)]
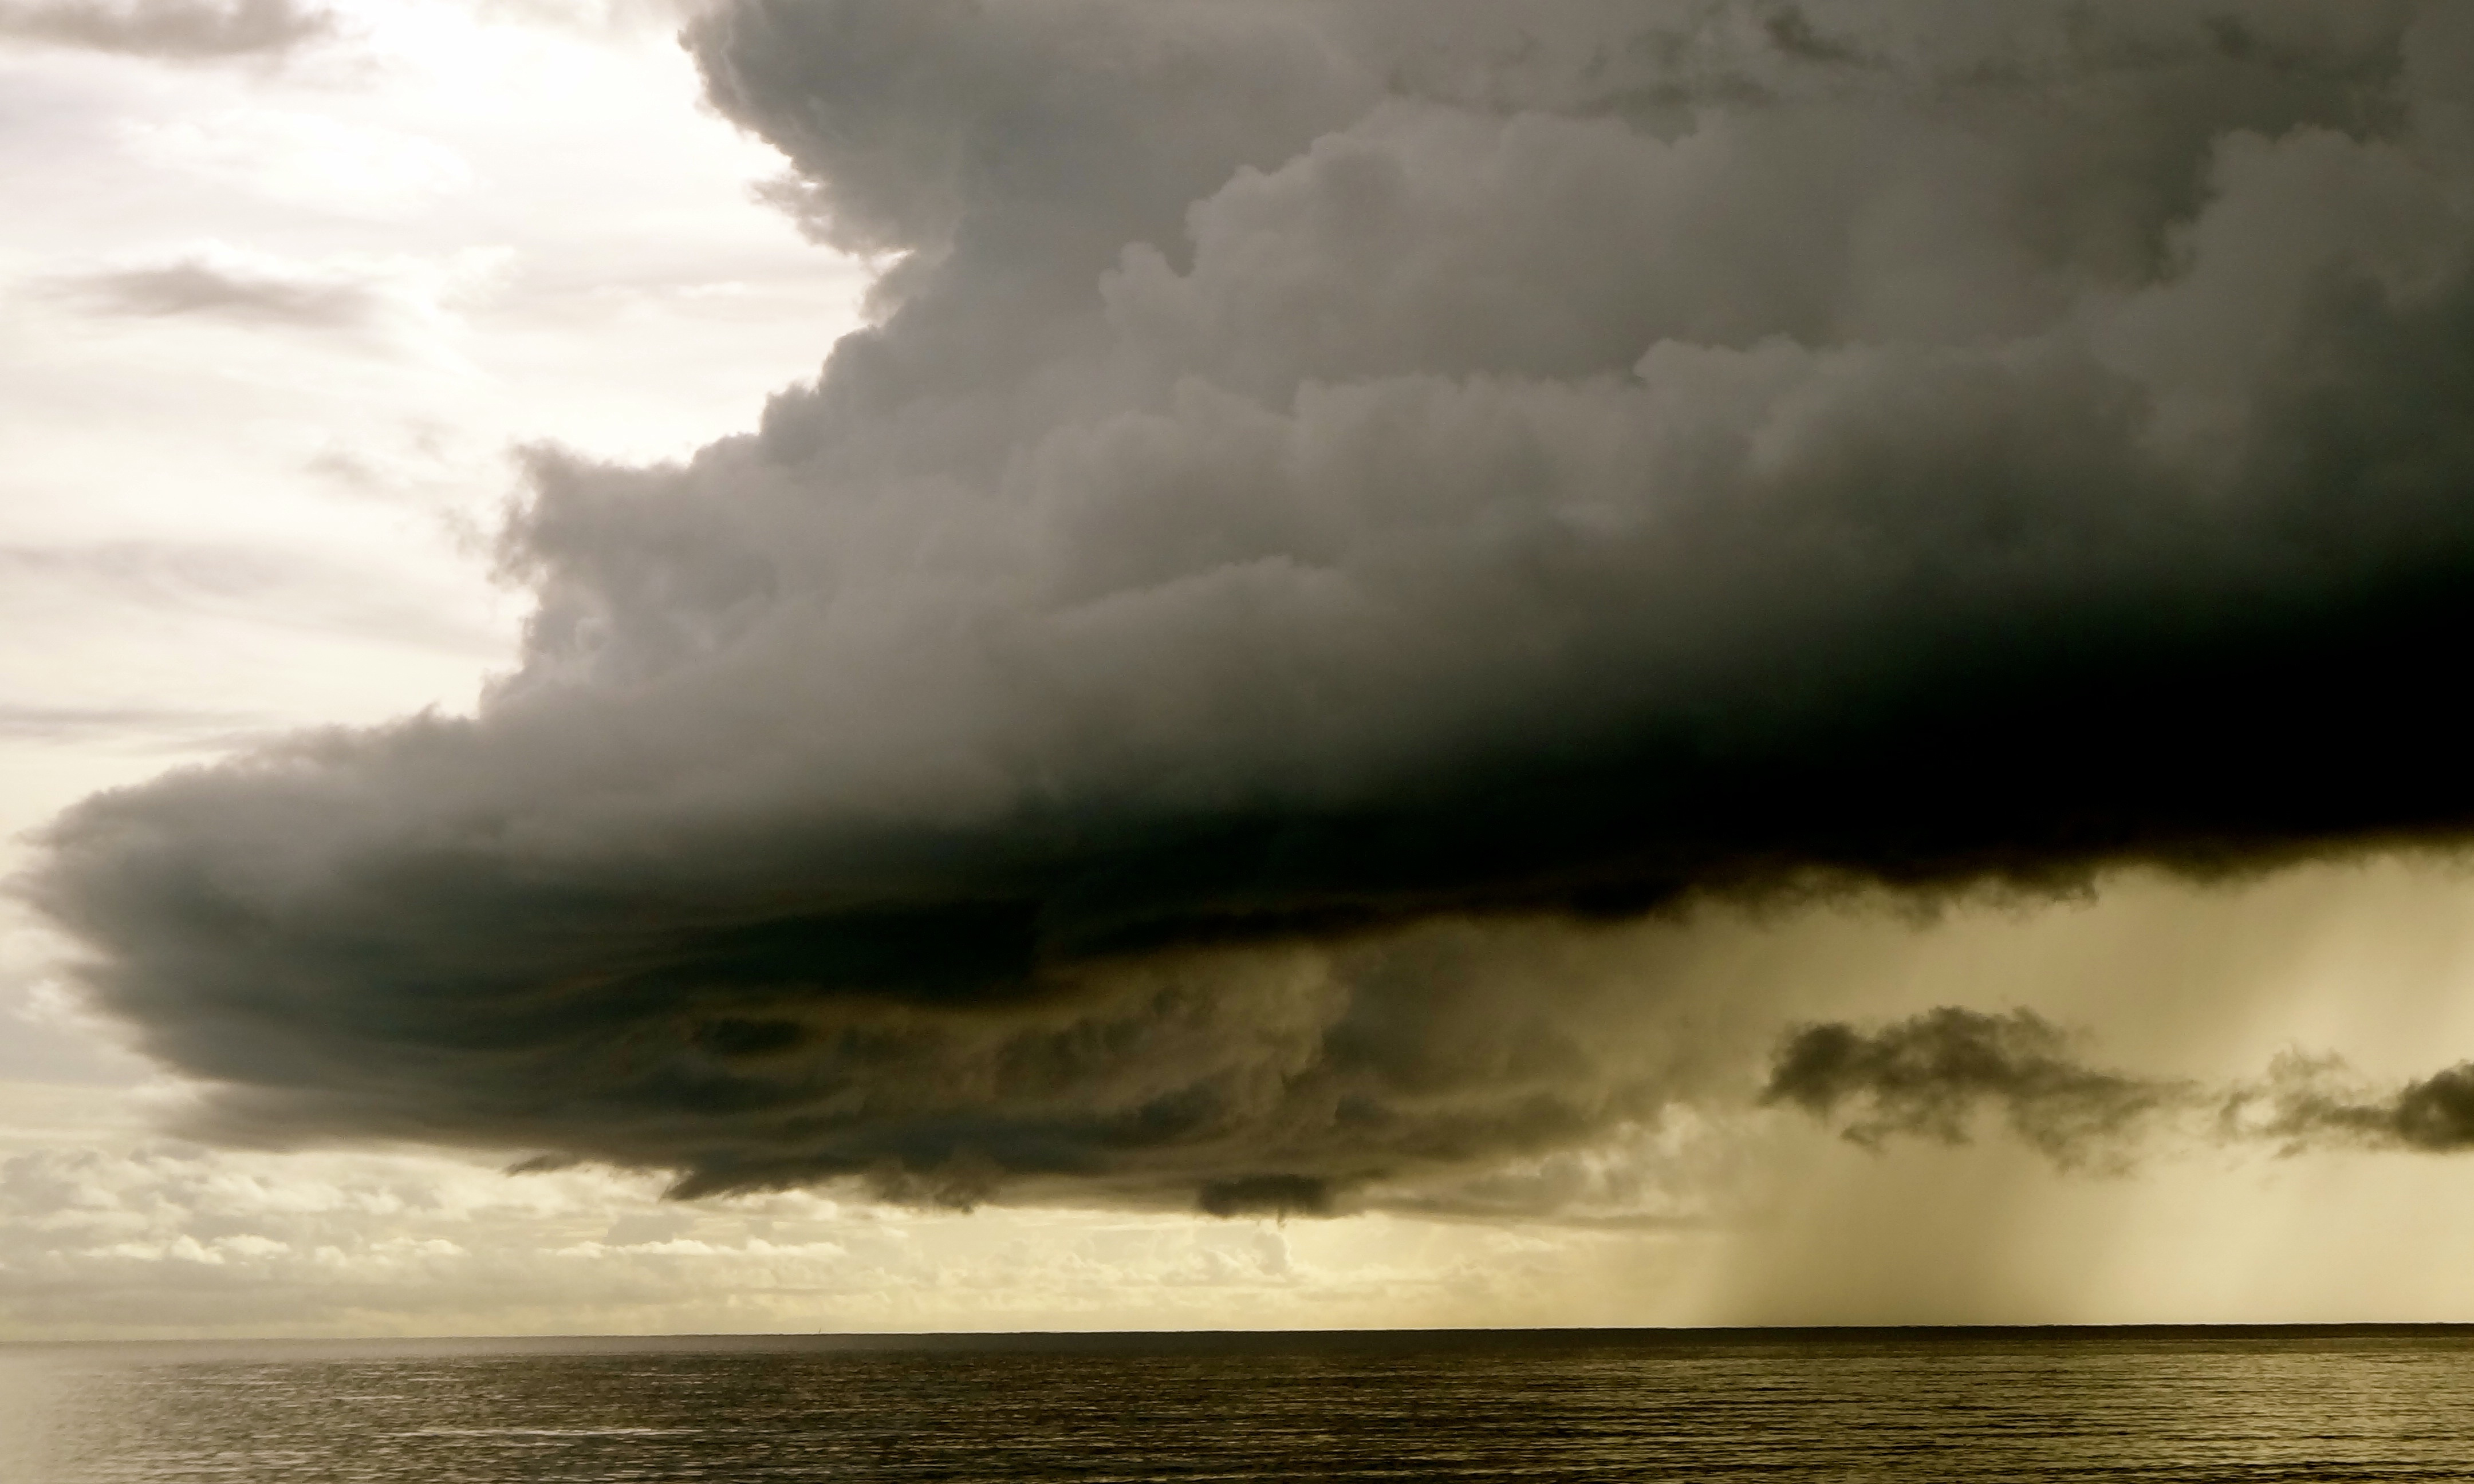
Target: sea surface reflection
[(2147, 1405)]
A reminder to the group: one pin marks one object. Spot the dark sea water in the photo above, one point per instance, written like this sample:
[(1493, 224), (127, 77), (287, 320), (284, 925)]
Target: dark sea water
[(2151, 1404)]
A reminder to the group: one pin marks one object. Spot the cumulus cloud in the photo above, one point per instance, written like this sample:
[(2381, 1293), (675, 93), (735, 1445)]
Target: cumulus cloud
[(1934, 1075), (1335, 489), (175, 29)]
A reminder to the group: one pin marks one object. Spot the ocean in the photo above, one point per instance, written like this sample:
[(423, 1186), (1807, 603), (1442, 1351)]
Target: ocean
[(2318, 1404)]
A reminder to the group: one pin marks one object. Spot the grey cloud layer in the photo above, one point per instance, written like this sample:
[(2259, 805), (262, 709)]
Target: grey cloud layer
[(1327, 470)]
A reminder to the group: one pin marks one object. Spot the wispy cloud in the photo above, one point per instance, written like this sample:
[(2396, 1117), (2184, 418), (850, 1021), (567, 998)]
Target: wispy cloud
[(173, 29), (273, 586), (2309, 1102), (1929, 1076), (90, 725), (398, 302), (219, 282), (1934, 1076)]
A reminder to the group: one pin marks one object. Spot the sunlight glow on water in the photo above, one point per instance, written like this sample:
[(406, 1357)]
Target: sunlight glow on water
[(2143, 1406)]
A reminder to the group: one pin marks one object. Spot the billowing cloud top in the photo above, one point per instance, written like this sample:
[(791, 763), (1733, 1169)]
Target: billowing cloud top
[(1323, 473)]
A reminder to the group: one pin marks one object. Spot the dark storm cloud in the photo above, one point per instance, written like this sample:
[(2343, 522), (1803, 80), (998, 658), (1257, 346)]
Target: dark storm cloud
[(176, 30), (1328, 474), (2307, 1102), (1278, 1195), (1934, 1075), (1928, 1077)]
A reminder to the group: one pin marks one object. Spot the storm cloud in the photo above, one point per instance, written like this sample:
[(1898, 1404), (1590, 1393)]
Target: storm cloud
[(1929, 1076), (1934, 1075), (2315, 1102), (1334, 490)]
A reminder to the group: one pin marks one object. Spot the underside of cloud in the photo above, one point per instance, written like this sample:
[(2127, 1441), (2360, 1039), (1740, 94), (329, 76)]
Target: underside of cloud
[(1335, 489)]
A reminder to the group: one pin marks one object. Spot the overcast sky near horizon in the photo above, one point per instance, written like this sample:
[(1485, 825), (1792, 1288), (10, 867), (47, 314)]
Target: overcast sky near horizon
[(1126, 747)]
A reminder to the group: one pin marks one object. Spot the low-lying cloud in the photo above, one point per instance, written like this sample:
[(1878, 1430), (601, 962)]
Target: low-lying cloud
[(1929, 1076), (1935, 1075), (2307, 1102), (170, 1238), (1331, 482)]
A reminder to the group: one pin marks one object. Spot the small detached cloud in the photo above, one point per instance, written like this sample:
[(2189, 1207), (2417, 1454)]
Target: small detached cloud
[(1934, 1076), (1929, 1076), (2317, 1102), (399, 303), (169, 30), (221, 282)]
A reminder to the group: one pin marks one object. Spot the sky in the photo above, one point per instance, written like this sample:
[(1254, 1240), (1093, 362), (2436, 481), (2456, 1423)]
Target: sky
[(853, 666)]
